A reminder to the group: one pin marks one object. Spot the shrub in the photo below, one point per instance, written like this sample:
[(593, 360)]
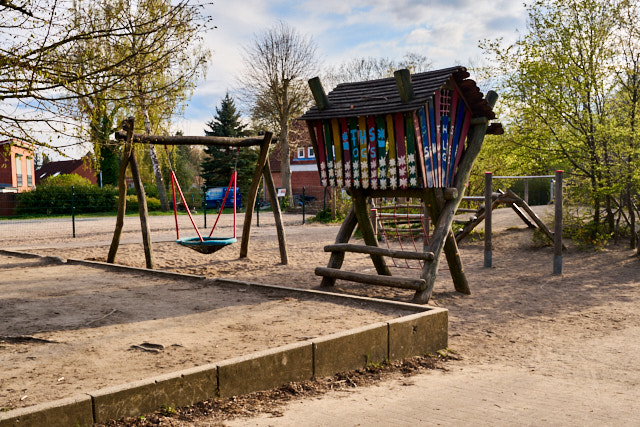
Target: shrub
[(56, 196)]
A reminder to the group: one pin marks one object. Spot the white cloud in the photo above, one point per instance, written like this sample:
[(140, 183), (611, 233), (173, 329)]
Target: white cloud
[(447, 31)]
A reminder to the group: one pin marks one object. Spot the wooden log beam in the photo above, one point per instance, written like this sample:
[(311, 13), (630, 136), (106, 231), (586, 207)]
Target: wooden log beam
[(277, 214), (319, 95), (263, 158), (557, 243), (218, 141), (344, 234), (434, 205), (414, 193), (122, 190), (362, 249), (442, 232), (361, 209), (521, 204), (488, 220), (403, 83), (142, 211), (371, 279), (522, 216)]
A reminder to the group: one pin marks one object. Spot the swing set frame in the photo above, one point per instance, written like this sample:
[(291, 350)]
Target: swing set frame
[(262, 170)]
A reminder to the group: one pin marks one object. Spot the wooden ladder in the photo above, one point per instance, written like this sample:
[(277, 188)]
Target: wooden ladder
[(331, 274)]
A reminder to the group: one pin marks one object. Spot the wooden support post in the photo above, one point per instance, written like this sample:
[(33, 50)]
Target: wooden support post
[(437, 242), (374, 221), (277, 214), (361, 209), (344, 234), (443, 224), (263, 158), (319, 95), (557, 228), (122, 190), (143, 211), (434, 206), (488, 203), (403, 82)]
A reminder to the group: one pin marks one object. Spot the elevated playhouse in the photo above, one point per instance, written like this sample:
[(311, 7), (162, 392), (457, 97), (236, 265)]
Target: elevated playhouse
[(413, 136)]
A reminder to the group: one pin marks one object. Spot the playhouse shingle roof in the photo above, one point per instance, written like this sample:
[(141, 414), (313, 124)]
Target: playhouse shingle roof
[(381, 96)]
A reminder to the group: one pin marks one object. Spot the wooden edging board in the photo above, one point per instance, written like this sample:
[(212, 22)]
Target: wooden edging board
[(425, 331)]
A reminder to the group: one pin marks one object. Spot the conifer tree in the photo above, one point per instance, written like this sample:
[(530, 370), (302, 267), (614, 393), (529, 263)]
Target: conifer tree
[(218, 163)]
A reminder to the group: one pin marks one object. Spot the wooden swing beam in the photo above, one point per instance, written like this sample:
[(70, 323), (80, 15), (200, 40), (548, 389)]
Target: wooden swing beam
[(262, 167)]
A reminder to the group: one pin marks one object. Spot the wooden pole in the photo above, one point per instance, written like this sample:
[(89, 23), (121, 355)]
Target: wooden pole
[(263, 158), (143, 211), (403, 83), (218, 141), (488, 203), (344, 234), (122, 190), (557, 229), (319, 95), (434, 205), (277, 214), (361, 208), (443, 224)]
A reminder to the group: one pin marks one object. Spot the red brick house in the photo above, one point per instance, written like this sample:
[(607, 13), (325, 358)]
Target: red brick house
[(304, 170), (80, 167), (16, 166)]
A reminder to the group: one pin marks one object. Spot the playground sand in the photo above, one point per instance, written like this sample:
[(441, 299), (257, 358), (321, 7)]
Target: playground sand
[(519, 316), (68, 329)]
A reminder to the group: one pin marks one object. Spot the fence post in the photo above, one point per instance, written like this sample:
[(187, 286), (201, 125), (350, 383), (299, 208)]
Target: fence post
[(204, 205), (73, 210), (257, 211), (488, 202), (557, 228), (303, 204), (526, 190)]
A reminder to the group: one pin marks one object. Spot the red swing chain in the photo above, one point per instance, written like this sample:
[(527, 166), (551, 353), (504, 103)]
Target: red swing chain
[(175, 184)]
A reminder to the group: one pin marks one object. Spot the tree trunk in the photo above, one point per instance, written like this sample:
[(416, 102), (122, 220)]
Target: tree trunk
[(162, 194), (285, 164)]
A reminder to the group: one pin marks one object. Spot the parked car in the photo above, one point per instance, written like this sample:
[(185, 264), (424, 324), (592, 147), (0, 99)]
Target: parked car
[(215, 196)]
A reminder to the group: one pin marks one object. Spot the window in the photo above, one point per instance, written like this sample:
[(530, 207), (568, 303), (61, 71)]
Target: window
[(301, 153), (310, 152), (29, 174), (18, 170)]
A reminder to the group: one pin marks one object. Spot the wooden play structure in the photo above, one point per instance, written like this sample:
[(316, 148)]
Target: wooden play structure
[(200, 243), (408, 136)]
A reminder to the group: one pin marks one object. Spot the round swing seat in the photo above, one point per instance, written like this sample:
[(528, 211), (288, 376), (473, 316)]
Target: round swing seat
[(208, 245)]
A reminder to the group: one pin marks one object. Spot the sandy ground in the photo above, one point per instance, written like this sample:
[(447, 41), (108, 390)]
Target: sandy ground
[(68, 329), (577, 334)]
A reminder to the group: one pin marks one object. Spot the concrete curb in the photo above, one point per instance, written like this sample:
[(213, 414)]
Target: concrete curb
[(416, 334)]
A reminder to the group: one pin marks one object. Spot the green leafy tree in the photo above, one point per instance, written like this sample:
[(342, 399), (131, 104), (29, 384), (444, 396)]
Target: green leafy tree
[(219, 163), (557, 85)]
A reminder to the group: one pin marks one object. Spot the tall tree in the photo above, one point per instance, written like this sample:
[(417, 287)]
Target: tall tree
[(370, 68), (218, 162), (557, 83), (277, 64), (629, 108)]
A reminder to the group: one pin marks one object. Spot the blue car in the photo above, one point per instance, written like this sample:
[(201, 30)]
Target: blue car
[(215, 195)]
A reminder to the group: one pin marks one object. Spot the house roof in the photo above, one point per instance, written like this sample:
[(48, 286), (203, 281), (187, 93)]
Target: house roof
[(381, 96), (57, 168)]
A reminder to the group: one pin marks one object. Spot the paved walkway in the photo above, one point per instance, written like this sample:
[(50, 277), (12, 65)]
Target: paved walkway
[(543, 393)]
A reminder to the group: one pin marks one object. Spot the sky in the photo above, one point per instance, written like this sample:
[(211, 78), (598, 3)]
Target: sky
[(446, 31)]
